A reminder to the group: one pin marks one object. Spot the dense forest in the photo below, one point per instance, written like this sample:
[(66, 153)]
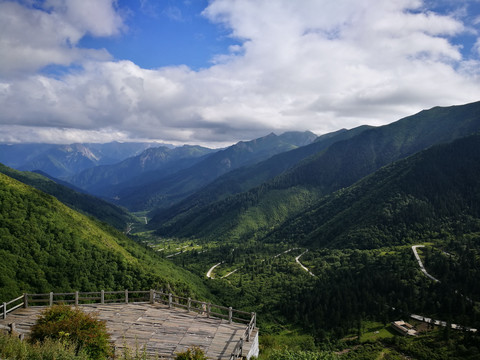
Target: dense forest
[(87, 204), (359, 240), (46, 246), (340, 165), (426, 196)]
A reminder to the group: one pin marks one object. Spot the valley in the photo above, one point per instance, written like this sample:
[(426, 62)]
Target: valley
[(328, 239)]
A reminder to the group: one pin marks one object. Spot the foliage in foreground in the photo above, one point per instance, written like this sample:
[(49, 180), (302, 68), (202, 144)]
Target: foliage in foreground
[(12, 348), (73, 326), (301, 355), (193, 353)]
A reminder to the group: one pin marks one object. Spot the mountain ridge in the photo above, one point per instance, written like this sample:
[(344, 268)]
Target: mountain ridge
[(61, 161), (247, 177), (425, 192), (340, 165), (104, 180), (87, 204), (185, 182)]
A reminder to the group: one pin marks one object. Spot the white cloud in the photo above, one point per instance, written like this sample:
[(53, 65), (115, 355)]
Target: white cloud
[(476, 47), (173, 13), (31, 38), (11, 134), (311, 64), (97, 17)]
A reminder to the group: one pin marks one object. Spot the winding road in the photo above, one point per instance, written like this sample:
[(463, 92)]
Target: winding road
[(297, 259), (422, 268), (230, 273), (209, 273)]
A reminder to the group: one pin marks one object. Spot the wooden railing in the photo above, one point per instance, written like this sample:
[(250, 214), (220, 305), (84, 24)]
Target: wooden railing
[(14, 304), (237, 351), (128, 296)]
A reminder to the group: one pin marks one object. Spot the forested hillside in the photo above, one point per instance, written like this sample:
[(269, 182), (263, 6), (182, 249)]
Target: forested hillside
[(46, 246), (361, 268), (247, 177), (147, 195), (265, 207), (84, 203), (428, 195)]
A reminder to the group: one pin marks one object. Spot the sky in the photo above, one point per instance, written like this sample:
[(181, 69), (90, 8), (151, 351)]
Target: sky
[(220, 71)]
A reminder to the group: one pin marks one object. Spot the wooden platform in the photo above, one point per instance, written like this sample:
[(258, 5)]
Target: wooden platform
[(156, 328)]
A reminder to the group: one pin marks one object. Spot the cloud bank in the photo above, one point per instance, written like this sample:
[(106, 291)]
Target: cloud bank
[(312, 65)]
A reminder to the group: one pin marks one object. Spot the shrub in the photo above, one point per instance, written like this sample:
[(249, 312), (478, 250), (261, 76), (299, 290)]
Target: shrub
[(194, 353), (71, 325), (301, 355), (12, 348)]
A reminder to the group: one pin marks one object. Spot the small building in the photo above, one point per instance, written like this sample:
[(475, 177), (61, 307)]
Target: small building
[(404, 328)]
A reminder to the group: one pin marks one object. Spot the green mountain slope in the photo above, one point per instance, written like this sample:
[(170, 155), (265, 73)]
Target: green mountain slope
[(247, 177), (46, 246), (173, 188), (84, 203), (425, 196), (339, 166)]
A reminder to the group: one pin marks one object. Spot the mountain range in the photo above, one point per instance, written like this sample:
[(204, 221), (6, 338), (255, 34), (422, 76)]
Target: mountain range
[(252, 187), (61, 161), (262, 208), (161, 188), (150, 165), (418, 198)]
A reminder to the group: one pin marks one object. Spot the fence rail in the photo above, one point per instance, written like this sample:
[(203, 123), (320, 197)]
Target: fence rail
[(5, 306), (135, 296)]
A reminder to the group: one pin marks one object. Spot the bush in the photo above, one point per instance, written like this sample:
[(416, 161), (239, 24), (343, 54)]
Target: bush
[(301, 355), (73, 326), (12, 348), (194, 353)]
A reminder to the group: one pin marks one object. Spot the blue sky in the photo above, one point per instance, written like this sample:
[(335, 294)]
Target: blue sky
[(219, 71), (165, 33)]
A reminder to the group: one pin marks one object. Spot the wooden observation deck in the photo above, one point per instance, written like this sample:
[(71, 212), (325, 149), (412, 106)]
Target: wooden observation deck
[(159, 324)]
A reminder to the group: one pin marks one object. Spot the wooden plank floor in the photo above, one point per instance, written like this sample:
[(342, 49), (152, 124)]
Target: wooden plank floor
[(156, 328)]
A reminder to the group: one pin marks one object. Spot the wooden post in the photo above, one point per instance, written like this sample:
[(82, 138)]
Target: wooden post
[(208, 309), (254, 316), (189, 304), (152, 296), (25, 300), (230, 315), (12, 328), (126, 296), (51, 298), (4, 310), (102, 297), (169, 301), (76, 298)]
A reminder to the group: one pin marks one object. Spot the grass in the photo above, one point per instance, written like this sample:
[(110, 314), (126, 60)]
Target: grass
[(167, 246), (374, 331), (286, 339), (12, 348)]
